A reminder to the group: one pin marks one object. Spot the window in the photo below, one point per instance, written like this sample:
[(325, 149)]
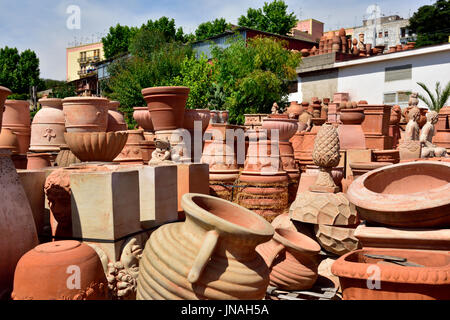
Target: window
[(398, 73), (403, 32), (386, 34), (380, 34), (400, 98)]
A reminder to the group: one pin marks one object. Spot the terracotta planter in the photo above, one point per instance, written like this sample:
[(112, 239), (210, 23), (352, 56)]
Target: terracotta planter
[(8, 140), (17, 118), (65, 157), (292, 258), (96, 146), (143, 118), (360, 168), (294, 109), (47, 128), (351, 134), (18, 231), (409, 149), (38, 160), (352, 116), (166, 106), (116, 121), (86, 114), (4, 93), (210, 256), (286, 127), (429, 282), (410, 195), (192, 115), (132, 152), (223, 116), (44, 273)]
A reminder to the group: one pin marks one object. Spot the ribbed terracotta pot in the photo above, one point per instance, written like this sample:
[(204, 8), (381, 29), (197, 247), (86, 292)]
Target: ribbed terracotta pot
[(209, 256), (17, 118), (143, 118), (4, 93), (192, 115), (292, 258), (166, 106), (60, 270), (86, 114), (116, 121), (96, 146), (65, 157)]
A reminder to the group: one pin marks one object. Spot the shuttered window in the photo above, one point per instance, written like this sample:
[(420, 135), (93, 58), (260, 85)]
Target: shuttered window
[(398, 73)]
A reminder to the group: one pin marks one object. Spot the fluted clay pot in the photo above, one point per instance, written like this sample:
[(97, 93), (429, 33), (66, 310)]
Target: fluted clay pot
[(86, 114), (17, 118), (192, 115), (96, 146), (4, 93), (143, 118), (427, 279), (286, 127), (60, 270), (47, 128), (293, 259), (65, 157), (116, 121), (209, 256), (166, 106), (410, 195), (38, 160), (17, 230)]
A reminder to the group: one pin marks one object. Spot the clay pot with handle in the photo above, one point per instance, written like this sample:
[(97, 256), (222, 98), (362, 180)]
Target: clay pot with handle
[(86, 114)]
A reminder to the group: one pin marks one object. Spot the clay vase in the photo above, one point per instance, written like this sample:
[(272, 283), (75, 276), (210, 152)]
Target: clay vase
[(192, 115), (44, 273), (351, 134), (17, 118), (86, 114), (38, 160), (209, 256), (143, 118), (65, 157), (166, 106), (4, 93), (47, 128), (96, 146), (286, 128), (294, 109), (17, 230), (409, 195), (293, 259), (116, 121)]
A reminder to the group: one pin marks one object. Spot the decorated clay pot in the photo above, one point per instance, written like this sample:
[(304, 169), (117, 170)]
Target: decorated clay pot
[(38, 160), (192, 115), (223, 115), (96, 146), (410, 195), (143, 118), (132, 152), (209, 256), (17, 118), (417, 275), (47, 128), (4, 93), (337, 240), (44, 273), (292, 258), (166, 106), (86, 114), (116, 121), (286, 127)]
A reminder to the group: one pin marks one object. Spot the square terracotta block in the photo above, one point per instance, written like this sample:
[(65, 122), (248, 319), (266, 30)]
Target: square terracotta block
[(356, 155), (105, 204), (378, 142), (192, 178)]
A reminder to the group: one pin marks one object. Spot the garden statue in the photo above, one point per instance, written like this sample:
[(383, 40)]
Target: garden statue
[(361, 45), (428, 148), (410, 146), (305, 120), (413, 100), (162, 152), (412, 128), (275, 108)]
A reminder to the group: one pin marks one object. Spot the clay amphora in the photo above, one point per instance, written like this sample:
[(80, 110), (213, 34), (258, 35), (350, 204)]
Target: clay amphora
[(44, 273), (166, 106), (17, 118), (116, 121), (4, 93), (86, 114), (17, 230), (209, 256), (292, 257)]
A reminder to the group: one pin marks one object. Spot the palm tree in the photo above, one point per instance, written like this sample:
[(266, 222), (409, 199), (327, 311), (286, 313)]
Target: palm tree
[(435, 102)]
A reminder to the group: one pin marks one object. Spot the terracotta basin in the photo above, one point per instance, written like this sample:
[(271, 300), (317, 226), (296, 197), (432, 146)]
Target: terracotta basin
[(143, 118), (410, 195), (96, 146), (430, 281), (286, 127), (166, 106), (86, 114), (352, 116), (192, 115), (4, 93)]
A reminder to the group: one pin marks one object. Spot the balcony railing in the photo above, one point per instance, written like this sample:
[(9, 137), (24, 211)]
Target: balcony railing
[(85, 73)]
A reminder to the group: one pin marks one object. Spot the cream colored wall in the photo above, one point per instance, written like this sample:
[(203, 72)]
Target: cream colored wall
[(73, 54)]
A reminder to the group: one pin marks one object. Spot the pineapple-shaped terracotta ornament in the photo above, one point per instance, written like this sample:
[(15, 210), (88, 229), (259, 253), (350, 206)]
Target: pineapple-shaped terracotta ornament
[(326, 155)]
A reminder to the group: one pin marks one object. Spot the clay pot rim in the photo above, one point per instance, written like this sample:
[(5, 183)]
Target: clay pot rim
[(371, 165), (84, 99), (182, 90), (221, 225), (57, 246), (298, 241), (279, 120), (5, 90), (16, 102), (113, 105), (42, 154), (141, 108), (362, 197)]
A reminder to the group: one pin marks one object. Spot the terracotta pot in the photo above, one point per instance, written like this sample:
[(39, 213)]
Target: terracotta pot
[(295, 109), (166, 106), (47, 128), (116, 121), (337, 240), (8, 140), (351, 134), (209, 256), (18, 231), (429, 282), (134, 152), (96, 146), (38, 160), (4, 93), (65, 157), (192, 115), (409, 149), (17, 118), (352, 116), (293, 259), (286, 127), (223, 115), (143, 118), (44, 273), (86, 114), (410, 195)]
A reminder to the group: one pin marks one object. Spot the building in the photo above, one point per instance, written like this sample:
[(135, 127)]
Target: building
[(310, 29), (380, 79)]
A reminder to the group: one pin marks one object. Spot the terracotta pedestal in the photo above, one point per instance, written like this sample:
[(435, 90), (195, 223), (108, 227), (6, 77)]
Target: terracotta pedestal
[(376, 126)]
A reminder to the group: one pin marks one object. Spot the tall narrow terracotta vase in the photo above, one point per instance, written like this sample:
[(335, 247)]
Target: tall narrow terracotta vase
[(17, 118)]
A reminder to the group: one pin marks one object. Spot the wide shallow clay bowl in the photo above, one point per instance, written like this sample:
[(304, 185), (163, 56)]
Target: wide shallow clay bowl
[(286, 127), (430, 281), (96, 146), (410, 195), (352, 116)]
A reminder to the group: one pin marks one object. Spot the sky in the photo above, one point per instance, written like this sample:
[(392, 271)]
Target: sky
[(42, 25)]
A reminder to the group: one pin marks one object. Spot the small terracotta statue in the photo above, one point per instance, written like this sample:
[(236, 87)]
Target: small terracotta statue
[(361, 45), (413, 99), (428, 148), (305, 119), (162, 152), (275, 108), (412, 129)]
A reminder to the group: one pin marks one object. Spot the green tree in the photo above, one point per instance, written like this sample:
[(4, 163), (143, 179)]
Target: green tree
[(167, 27), (63, 90), (210, 29), (118, 39), (273, 17), (431, 23), (435, 101)]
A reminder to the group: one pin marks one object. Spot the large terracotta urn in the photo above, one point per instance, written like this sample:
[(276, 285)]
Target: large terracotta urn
[(116, 121), (209, 256), (4, 93), (166, 106), (143, 118), (86, 114), (47, 128), (17, 118), (17, 229), (286, 127), (292, 258), (60, 270)]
